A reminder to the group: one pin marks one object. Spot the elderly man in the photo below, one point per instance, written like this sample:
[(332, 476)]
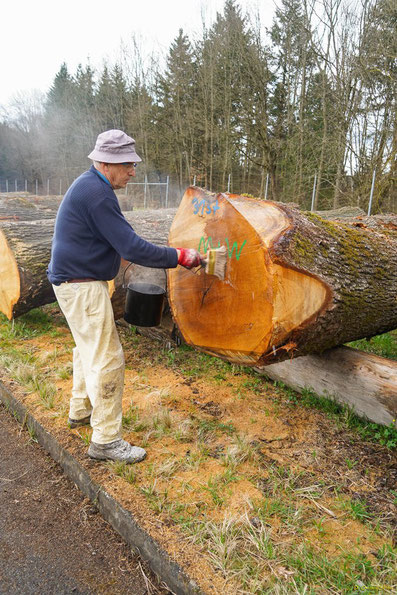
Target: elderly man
[(90, 236)]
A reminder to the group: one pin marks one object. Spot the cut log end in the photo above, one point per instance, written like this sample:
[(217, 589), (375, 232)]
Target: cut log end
[(260, 302), (9, 278)]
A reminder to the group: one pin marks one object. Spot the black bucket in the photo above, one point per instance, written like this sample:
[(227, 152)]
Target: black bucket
[(144, 304)]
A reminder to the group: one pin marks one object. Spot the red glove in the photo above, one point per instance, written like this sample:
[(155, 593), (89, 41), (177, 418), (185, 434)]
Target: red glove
[(189, 258)]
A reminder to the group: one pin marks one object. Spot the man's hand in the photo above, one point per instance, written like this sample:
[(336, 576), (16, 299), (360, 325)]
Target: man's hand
[(188, 258)]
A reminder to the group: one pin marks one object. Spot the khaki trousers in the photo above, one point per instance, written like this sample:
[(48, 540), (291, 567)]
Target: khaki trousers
[(98, 359)]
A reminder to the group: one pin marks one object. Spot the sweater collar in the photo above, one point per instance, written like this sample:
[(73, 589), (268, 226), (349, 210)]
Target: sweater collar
[(94, 169)]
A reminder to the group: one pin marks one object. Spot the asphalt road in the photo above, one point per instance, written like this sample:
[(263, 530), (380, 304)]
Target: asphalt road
[(52, 540)]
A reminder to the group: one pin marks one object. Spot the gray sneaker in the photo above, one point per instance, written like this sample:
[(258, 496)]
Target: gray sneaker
[(77, 423), (119, 450)]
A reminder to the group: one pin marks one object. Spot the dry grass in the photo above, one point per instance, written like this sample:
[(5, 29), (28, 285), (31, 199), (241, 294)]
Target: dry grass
[(237, 465)]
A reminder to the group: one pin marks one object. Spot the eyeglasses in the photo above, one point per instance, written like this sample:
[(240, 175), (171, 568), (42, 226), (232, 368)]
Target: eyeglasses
[(130, 164)]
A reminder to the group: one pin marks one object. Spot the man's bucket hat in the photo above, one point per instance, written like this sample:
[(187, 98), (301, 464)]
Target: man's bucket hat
[(114, 146)]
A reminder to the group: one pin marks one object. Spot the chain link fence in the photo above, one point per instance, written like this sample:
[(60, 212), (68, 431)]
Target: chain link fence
[(155, 190)]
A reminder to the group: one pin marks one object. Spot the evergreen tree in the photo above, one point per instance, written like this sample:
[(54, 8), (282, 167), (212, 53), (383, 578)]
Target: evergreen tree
[(121, 97), (293, 63), (62, 90), (378, 113), (84, 111), (321, 98), (175, 146), (112, 99), (60, 126), (140, 120), (104, 101), (226, 76)]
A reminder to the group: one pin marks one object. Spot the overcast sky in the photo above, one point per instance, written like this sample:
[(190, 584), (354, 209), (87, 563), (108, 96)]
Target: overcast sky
[(37, 36)]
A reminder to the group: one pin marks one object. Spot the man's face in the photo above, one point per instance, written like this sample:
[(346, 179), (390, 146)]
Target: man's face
[(119, 174)]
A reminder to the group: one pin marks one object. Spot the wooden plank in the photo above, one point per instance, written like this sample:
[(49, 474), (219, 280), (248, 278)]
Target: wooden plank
[(365, 382)]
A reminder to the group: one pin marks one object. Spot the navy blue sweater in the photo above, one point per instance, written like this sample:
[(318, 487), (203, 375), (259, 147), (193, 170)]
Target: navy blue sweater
[(91, 234)]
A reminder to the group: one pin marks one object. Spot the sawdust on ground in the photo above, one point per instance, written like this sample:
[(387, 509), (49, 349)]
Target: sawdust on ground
[(231, 414)]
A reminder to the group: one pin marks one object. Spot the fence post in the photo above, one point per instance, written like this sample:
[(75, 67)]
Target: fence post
[(372, 192), (16, 185), (314, 192), (48, 187), (267, 185), (228, 182), (166, 191), (6, 185), (37, 187), (144, 193), (26, 185), (60, 187), (194, 180)]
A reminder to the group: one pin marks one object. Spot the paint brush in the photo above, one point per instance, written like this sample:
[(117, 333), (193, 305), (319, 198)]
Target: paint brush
[(215, 262)]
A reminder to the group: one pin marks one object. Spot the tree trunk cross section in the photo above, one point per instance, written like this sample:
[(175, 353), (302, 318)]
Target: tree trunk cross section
[(295, 283)]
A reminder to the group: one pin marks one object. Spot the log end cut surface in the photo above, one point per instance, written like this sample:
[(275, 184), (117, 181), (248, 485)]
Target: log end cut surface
[(254, 308), (9, 278)]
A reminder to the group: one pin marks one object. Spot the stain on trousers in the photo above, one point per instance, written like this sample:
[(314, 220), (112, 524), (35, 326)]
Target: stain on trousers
[(98, 359)]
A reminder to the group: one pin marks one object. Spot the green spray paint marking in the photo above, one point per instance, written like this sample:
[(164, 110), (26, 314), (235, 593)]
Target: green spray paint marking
[(234, 247), (207, 244)]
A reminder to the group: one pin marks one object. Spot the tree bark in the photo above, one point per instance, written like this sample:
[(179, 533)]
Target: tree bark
[(295, 283), (341, 213), (153, 226), (25, 250), (24, 207)]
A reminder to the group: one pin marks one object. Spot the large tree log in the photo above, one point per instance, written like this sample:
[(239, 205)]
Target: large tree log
[(25, 249), (23, 282), (365, 382), (295, 283), (18, 207), (154, 226)]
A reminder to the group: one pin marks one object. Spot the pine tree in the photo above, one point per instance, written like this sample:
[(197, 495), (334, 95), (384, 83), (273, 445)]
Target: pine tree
[(104, 102), (84, 109), (293, 65), (378, 68), (62, 90), (229, 68), (175, 146), (60, 125), (140, 122)]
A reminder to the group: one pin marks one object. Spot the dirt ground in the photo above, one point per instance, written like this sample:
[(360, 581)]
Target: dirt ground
[(52, 539), (234, 460)]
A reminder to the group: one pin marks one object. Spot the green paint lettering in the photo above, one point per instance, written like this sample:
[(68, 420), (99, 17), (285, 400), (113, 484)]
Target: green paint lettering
[(207, 243), (234, 248)]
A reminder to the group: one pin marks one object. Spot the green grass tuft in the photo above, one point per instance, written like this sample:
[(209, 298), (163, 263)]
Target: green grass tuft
[(384, 345)]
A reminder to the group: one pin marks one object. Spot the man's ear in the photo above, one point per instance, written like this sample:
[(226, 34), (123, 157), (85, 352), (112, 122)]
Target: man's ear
[(106, 168)]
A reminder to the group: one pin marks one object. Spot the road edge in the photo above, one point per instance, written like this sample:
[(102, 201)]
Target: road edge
[(109, 508)]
